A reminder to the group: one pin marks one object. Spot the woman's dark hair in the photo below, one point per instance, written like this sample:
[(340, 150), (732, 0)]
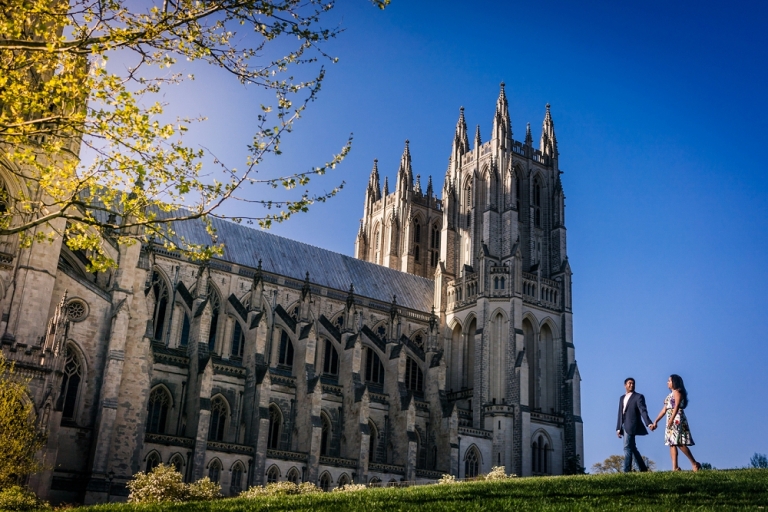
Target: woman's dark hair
[(677, 385)]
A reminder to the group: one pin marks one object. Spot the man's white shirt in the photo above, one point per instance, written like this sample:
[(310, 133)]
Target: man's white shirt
[(626, 401)]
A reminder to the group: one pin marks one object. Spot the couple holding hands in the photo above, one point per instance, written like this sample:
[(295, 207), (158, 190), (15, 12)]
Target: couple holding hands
[(633, 417)]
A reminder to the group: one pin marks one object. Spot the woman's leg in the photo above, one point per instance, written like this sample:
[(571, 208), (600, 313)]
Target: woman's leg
[(673, 454), (687, 452)]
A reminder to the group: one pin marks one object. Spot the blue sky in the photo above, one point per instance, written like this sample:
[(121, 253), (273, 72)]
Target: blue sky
[(660, 113)]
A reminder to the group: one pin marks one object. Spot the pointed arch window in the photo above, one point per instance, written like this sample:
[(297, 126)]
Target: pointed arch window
[(372, 441), (419, 341), (153, 460), (331, 359), (273, 474), (236, 482), (471, 463), (537, 202), (219, 412), (325, 439), (215, 301), (178, 463), (214, 471), (293, 476), (275, 425), (517, 192), (185, 326), (325, 482), (70, 384), (435, 246), (160, 292), (238, 340), (159, 403), (374, 370), (285, 352), (416, 231), (414, 378)]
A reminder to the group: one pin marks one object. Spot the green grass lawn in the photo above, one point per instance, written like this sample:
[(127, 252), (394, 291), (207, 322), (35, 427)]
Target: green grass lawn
[(705, 490)]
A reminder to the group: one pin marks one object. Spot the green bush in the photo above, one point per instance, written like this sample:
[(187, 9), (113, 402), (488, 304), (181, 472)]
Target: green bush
[(351, 488), (20, 498)]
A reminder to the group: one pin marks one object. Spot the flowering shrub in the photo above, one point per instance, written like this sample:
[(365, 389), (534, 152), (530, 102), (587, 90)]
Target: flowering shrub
[(273, 489), (203, 490), (447, 479), (350, 488), (498, 473), (163, 483), (308, 488), (20, 498)]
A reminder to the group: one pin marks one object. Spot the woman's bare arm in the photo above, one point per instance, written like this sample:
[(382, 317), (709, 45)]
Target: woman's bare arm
[(676, 395)]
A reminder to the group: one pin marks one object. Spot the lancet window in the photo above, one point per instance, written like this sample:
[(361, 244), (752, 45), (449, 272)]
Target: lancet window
[(157, 410), (70, 384)]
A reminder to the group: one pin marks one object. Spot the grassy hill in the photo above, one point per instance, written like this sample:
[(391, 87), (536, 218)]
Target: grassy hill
[(705, 490)]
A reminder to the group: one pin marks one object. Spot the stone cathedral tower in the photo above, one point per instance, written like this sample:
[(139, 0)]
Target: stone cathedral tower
[(502, 288)]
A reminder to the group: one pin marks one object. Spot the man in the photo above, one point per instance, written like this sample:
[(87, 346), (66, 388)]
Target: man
[(633, 416)]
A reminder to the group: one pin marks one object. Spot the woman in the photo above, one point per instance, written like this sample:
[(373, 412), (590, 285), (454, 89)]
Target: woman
[(677, 435)]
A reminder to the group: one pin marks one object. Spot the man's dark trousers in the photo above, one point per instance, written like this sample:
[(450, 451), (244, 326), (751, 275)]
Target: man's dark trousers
[(631, 422)]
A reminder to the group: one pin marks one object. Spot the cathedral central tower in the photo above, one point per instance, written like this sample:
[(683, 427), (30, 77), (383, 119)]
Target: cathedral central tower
[(502, 285)]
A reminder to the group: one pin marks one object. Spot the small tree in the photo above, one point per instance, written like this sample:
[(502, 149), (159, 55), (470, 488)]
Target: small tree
[(615, 464), (759, 461), (19, 438)]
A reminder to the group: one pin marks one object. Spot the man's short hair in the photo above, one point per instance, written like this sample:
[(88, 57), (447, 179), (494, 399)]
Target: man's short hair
[(628, 379)]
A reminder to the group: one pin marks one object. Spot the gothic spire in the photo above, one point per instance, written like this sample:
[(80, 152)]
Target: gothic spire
[(374, 188), (386, 186), (405, 172), (528, 137), (478, 140), (460, 139), (429, 187), (417, 187), (502, 126), (548, 144)]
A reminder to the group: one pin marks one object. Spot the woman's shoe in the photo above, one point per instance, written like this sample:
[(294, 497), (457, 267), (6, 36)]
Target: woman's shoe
[(696, 467), (676, 469)]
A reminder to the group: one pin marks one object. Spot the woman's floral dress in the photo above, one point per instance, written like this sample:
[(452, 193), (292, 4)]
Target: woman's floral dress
[(678, 434)]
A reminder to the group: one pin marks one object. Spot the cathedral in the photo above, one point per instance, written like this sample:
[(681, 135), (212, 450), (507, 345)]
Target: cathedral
[(445, 346)]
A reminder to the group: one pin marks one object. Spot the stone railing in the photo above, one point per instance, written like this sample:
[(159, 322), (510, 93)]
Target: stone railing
[(218, 446), (476, 432), (386, 468), (547, 418), (459, 395), (338, 462), (283, 380), (332, 389), (167, 440), (378, 397), (286, 455), (517, 147), (428, 473), (465, 417), (422, 406)]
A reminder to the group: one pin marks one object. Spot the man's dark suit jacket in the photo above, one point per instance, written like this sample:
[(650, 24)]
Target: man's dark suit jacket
[(634, 420)]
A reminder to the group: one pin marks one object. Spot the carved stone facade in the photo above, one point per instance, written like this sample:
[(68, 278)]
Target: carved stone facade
[(449, 351)]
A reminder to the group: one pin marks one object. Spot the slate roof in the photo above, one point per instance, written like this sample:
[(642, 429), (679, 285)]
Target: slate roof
[(245, 246)]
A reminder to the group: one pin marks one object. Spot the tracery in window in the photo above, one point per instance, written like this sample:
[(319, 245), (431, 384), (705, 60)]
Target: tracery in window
[(236, 482), (159, 402), (214, 471), (185, 326), (273, 474), (537, 202), (219, 411), (160, 292), (153, 460), (215, 301), (70, 384), (471, 463), (275, 426), (325, 439), (325, 482), (293, 476)]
